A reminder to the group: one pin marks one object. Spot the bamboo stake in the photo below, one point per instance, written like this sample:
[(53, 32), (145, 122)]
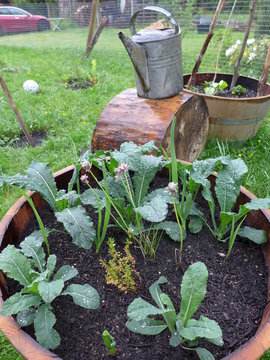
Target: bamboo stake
[(94, 39), (263, 78), (206, 43), (92, 21), (16, 111), (238, 60)]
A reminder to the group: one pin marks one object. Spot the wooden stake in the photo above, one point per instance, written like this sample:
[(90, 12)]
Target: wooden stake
[(238, 60), (94, 39), (16, 111), (92, 21), (206, 43), (263, 78)]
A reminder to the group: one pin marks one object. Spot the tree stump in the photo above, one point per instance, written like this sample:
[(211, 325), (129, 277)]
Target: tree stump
[(128, 117)]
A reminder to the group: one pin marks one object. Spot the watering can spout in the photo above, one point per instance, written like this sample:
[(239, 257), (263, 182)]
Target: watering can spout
[(138, 57)]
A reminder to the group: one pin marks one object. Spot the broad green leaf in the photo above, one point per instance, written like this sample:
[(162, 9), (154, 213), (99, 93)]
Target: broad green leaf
[(65, 273), (83, 295), (129, 153), (148, 147), (79, 225), (204, 354), (116, 188), (64, 199), (16, 265), (257, 236), (193, 290), (155, 290), (154, 211), (89, 197), (175, 339), (139, 309), (195, 224), (201, 169), (43, 324), (202, 328), (32, 247), (148, 166), (256, 204), (170, 315), (161, 193), (50, 290), (19, 302), (40, 179), (26, 317), (172, 230), (51, 262), (228, 183), (16, 180), (146, 327)]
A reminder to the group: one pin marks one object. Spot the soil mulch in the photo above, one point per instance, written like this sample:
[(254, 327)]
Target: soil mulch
[(236, 294)]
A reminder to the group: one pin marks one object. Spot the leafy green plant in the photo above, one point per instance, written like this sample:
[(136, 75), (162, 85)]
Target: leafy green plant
[(239, 90), (33, 304), (66, 205), (120, 269), (227, 188), (127, 175), (110, 342), (213, 88), (184, 330)]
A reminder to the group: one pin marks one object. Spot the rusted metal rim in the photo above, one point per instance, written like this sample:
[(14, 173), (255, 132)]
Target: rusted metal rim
[(31, 350), (265, 97)]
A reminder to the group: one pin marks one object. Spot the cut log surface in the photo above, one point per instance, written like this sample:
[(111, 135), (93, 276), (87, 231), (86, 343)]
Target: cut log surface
[(128, 117)]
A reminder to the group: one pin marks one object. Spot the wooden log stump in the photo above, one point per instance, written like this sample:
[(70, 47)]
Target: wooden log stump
[(128, 117)]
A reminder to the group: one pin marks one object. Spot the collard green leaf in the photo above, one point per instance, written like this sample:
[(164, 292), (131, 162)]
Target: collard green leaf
[(148, 147), (201, 169), (129, 153), (148, 166), (139, 309), (155, 290), (44, 321), (154, 211), (256, 204), (51, 262), (89, 197), (195, 224), (228, 182), (146, 327), (79, 225), (202, 328), (16, 180), (175, 339), (161, 193), (16, 265), (18, 302), (50, 290), (32, 247), (64, 199), (83, 295), (40, 179), (204, 354), (172, 230), (65, 273), (26, 317), (116, 188), (257, 236), (193, 290)]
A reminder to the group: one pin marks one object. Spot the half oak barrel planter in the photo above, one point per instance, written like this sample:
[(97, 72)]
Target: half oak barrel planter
[(19, 215), (233, 119)]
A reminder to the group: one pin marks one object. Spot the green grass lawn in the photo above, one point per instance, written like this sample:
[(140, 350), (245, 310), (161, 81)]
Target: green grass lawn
[(68, 117)]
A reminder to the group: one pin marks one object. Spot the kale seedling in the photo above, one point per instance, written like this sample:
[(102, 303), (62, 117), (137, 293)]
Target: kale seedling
[(239, 90), (185, 331), (109, 342), (33, 304), (212, 88)]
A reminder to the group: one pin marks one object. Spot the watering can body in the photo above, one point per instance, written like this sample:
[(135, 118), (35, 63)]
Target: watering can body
[(157, 58)]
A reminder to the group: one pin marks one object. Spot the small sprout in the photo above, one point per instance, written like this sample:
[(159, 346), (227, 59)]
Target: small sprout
[(172, 188), (109, 342), (239, 90), (84, 179), (120, 170), (86, 165)]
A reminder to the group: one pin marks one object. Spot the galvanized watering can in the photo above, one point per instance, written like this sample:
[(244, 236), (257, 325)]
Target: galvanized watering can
[(157, 58)]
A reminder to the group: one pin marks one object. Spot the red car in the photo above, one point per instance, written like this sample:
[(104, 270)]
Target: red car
[(13, 20)]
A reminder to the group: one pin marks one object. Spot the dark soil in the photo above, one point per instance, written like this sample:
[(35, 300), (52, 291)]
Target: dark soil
[(38, 137), (78, 83), (227, 93), (236, 295)]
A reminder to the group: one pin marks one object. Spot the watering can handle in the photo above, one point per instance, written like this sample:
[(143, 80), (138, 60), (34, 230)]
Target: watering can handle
[(157, 9)]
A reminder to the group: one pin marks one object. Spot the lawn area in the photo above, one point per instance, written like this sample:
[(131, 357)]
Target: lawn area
[(68, 117)]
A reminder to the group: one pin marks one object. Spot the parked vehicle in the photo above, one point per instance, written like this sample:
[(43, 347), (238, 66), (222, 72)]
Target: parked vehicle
[(13, 20)]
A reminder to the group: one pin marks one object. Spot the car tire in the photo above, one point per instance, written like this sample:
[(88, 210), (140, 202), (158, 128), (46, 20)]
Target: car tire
[(43, 25)]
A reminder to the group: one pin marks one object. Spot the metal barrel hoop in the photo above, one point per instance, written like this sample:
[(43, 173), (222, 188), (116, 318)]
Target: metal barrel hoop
[(156, 9)]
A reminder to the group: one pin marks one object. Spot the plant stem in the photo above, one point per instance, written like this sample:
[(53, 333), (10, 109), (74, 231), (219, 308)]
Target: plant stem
[(181, 232)]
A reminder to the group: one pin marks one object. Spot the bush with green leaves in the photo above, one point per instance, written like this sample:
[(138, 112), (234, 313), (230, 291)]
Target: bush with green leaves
[(184, 330), (227, 189), (41, 285), (65, 204)]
